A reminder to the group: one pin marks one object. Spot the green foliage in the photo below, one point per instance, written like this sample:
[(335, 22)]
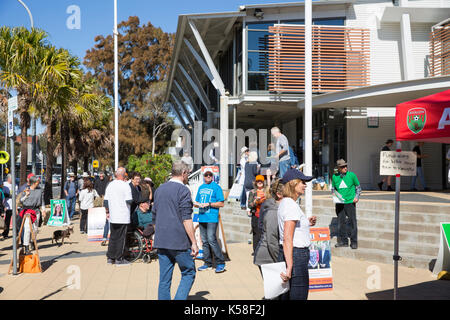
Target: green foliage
[(157, 167)]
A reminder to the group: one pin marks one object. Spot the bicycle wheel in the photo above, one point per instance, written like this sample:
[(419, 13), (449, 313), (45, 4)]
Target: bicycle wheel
[(134, 245)]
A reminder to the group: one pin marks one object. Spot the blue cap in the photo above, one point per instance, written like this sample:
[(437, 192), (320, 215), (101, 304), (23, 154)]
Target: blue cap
[(292, 174)]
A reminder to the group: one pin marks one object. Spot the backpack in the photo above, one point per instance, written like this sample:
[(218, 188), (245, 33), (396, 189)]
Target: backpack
[(293, 157), (2, 201)]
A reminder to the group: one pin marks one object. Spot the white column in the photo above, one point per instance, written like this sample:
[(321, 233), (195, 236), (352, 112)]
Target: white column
[(407, 49), (224, 154), (308, 104)]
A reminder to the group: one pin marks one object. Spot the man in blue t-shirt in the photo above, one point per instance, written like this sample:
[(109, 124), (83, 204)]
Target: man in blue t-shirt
[(209, 199)]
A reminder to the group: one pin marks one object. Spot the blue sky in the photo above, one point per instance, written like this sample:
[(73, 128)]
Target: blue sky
[(97, 16)]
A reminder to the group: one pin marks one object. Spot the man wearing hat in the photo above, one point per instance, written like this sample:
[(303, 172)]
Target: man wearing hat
[(346, 190), (71, 192), (209, 199)]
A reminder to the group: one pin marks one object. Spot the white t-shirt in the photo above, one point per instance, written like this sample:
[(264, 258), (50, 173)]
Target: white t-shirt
[(289, 210), (86, 198), (117, 193), (8, 204)]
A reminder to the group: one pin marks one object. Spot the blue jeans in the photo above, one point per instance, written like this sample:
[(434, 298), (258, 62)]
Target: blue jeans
[(209, 241), (243, 197), (299, 282), (421, 177), (71, 206), (167, 259), (283, 167), (106, 230)]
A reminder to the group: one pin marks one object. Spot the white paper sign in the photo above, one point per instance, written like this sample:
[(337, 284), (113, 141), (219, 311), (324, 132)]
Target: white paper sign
[(402, 163), (96, 223), (273, 284)]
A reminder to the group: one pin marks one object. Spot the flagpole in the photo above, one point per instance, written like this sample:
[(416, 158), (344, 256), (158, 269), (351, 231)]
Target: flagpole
[(116, 91)]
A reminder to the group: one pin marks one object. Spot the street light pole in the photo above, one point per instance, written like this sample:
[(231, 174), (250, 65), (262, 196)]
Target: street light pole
[(116, 91), (33, 120)]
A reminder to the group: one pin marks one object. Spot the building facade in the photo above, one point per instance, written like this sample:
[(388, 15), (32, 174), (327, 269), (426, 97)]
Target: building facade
[(245, 70)]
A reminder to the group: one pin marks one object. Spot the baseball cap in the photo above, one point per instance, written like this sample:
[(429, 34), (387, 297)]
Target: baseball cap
[(30, 175), (259, 178), (243, 149), (293, 174), (208, 170)]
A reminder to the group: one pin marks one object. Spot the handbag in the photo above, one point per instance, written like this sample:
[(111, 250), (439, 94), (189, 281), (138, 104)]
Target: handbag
[(29, 263), (98, 202), (2, 223)]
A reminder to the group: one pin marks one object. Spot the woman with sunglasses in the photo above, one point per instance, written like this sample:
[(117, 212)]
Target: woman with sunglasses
[(294, 233)]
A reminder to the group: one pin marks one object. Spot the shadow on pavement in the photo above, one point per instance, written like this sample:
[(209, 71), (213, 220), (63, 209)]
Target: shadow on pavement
[(53, 293), (431, 290), (199, 295), (47, 264)]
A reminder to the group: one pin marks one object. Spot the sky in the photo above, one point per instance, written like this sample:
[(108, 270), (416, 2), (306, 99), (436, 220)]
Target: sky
[(96, 17)]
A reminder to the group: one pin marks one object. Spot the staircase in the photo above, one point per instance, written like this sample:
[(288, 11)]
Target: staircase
[(419, 229)]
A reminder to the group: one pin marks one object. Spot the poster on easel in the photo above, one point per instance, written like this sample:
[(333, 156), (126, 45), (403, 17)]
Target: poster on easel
[(59, 216), (319, 265), (96, 224), (443, 258)]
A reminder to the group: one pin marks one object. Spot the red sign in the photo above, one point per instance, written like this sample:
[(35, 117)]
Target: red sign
[(424, 119)]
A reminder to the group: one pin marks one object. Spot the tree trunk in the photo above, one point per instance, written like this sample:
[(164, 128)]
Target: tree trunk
[(64, 157), (153, 140), (86, 163), (74, 165), (48, 189)]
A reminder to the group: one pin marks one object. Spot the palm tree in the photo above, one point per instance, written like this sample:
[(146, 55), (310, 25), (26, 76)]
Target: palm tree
[(21, 51)]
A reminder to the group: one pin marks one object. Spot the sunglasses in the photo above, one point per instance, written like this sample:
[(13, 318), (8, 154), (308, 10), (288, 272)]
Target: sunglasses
[(208, 175)]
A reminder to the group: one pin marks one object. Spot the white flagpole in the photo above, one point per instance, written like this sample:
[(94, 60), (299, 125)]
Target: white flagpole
[(116, 91), (308, 104)]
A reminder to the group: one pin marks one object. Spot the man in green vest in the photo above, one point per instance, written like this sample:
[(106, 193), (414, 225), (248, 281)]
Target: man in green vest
[(346, 190)]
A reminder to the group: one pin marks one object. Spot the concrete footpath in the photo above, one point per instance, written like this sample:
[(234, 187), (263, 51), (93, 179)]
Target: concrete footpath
[(78, 271)]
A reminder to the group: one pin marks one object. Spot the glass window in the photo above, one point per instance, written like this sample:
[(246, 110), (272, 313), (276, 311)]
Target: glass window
[(258, 61), (329, 21), (260, 25), (258, 40), (257, 81), (301, 22)]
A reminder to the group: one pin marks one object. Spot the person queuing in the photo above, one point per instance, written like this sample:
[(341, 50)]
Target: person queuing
[(268, 246), (136, 189), (7, 187), (347, 190), (86, 198), (419, 171), (31, 203), (118, 199), (174, 233), (209, 199), (281, 150), (251, 171), (71, 193), (294, 235), (241, 177), (256, 198)]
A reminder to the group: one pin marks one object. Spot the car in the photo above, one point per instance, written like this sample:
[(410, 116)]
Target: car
[(56, 180)]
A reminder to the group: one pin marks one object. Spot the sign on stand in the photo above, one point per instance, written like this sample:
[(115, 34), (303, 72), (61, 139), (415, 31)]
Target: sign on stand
[(402, 163)]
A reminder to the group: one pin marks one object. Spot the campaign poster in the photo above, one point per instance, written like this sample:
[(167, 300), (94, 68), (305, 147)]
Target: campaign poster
[(319, 265), (96, 223), (58, 214)]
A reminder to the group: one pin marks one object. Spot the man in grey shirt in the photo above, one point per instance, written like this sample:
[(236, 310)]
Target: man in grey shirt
[(282, 150)]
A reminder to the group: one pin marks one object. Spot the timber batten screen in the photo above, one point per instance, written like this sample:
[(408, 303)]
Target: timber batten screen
[(440, 51), (340, 58)]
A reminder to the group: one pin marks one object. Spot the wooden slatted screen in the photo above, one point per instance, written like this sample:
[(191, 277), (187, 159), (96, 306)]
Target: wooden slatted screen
[(340, 58), (440, 51)]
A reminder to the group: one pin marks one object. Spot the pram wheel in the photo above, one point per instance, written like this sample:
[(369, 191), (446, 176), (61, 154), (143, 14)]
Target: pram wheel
[(135, 246), (146, 258)]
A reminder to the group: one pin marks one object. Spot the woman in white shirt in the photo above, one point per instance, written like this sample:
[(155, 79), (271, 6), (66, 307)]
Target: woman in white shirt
[(294, 235), (86, 198)]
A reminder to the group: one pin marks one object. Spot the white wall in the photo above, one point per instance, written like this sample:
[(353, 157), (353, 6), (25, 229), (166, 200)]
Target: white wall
[(364, 145)]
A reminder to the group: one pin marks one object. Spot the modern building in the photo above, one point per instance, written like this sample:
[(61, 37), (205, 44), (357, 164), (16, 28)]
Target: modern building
[(245, 69)]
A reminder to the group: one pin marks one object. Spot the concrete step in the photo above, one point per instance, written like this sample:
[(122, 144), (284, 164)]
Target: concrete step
[(404, 236)]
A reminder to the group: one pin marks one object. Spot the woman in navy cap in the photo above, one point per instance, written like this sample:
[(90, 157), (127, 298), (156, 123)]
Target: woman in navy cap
[(294, 242)]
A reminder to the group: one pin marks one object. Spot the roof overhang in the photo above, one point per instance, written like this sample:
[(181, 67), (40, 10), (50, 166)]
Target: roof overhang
[(417, 15), (382, 95)]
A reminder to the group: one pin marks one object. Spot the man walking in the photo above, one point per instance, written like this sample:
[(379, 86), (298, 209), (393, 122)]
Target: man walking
[(117, 202), (346, 190), (281, 151), (7, 187), (388, 179), (419, 172), (174, 233), (71, 192), (209, 199)]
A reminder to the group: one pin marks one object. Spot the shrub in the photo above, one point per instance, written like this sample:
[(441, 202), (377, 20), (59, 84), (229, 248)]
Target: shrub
[(157, 167)]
